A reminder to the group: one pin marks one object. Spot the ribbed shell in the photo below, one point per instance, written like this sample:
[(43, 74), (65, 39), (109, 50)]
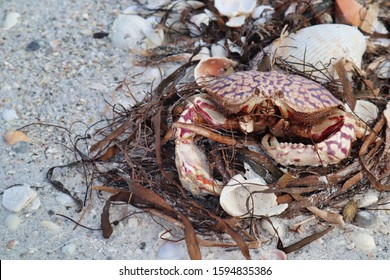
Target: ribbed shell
[(240, 88), (320, 46)]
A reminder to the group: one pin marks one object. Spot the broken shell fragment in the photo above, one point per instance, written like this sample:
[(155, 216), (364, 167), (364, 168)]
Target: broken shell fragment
[(365, 110), (315, 49), (197, 22), (245, 198), (13, 137), (211, 67), (131, 31)]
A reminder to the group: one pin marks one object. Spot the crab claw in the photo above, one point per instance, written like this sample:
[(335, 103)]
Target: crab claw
[(194, 172), (330, 151), (191, 163)]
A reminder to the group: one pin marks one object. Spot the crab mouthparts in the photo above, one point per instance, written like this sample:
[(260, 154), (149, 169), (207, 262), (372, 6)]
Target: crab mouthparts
[(333, 124)]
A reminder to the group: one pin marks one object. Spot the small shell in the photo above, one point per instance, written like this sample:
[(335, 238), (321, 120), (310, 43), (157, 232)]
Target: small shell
[(243, 198), (236, 21), (364, 242), (170, 251), (381, 67), (10, 20), (13, 137), (196, 23), (234, 8), (210, 67), (365, 110), (315, 49), (134, 32)]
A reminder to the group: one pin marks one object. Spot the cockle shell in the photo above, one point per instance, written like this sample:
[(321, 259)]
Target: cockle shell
[(243, 197), (13, 137), (315, 49), (211, 67)]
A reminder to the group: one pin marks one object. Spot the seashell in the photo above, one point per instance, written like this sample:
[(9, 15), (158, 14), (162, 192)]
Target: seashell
[(364, 241), (236, 21), (243, 198), (170, 251), (369, 198), (277, 224), (51, 227), (202, 54), (262, 14), (315, 49), (17, 198), (10, 20), (12, 221), (134, 32), (353, 13), (365, 219), (210, 67), (9, 115), (14, 136), (365, 110), (381, 67), (218, 49), (274, 255), (234, 8), (196, 23)]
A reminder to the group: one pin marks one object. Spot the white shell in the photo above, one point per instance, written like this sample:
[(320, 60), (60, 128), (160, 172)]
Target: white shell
[(170, 251), (9, 115), (365, 110), (16, 198), (234, 8), (381, 67), (262, 14), (196, 22), (134, 32), (218, 49), (236, 21), (243, 198), (364, 241), (10, 20), (319, 47), (210, 67)]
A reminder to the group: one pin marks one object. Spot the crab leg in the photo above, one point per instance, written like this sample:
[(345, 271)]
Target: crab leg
[(191, 163), (330, 151)]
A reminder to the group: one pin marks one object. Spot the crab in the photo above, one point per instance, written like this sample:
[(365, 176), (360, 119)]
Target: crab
[(288, 107)]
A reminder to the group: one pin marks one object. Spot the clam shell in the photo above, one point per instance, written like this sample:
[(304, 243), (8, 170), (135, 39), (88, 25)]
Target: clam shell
[(212, 67), (234, 8), (315, 49), (243, 198), (13, 137)]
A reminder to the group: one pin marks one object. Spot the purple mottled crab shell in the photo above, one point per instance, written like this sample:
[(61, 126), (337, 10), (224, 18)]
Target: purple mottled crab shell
[(238, 90)]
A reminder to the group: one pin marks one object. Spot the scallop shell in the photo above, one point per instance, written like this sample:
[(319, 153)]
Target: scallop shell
[(212, 67), (13, 137), (234, 8), (315, 49), (244, 198)]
